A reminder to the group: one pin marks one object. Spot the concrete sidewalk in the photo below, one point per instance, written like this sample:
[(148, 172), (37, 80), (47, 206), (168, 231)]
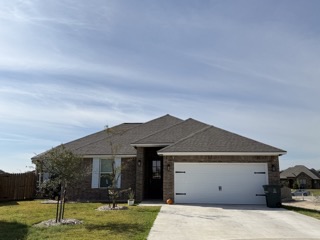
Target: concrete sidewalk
[(232, 222)]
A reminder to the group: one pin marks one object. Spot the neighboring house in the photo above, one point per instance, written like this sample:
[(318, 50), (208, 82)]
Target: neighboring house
[(185, 160), (316, 172), (2, 172), (300, 177)]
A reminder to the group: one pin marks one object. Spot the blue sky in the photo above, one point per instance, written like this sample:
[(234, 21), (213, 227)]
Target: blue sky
[(68, 68)]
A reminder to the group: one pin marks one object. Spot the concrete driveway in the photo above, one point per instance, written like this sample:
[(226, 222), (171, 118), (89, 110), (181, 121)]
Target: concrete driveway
[(232, 222)]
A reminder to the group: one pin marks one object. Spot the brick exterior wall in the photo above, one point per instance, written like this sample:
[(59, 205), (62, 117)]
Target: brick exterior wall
[(140, 174), (309, 180), (292, 182), (168, 176), (132, 175), (128, 173), (84, 192)]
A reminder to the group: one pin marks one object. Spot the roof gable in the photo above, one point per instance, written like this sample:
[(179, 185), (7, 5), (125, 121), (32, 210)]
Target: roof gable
[(293, 172), (120, 142), (215, 140)]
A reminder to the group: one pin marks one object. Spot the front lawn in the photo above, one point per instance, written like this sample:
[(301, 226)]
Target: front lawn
[(315, 192), (17, 220), (308, 212)]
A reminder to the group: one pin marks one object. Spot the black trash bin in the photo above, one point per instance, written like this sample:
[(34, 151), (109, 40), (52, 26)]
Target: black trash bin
[(273, 195)]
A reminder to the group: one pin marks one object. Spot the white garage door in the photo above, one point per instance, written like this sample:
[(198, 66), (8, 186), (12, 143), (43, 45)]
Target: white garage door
[(220, 183)]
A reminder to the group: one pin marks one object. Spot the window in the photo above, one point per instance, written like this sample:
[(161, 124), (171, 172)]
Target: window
[(105, 172), (156, 169), (303, 181), (102, 170)]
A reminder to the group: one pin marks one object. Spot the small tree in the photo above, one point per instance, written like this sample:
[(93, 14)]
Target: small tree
[(113, 190), (66, 170)]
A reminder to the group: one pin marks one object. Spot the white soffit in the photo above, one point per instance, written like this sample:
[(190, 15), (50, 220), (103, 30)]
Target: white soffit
[(108, 156), (221, 153)]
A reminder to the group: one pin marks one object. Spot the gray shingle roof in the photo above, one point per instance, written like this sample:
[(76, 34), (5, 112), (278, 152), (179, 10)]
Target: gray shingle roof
[(293, 172), (80, 143), (99, 136), (315, 172), (181, 136), (173, 133), (121, 140), (213, 139)]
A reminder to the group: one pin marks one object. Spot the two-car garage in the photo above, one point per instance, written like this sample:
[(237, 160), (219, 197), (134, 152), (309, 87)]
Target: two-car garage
[(220, 183)]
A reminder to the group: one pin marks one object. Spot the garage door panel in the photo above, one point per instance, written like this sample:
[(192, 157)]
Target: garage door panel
[(219, 183)]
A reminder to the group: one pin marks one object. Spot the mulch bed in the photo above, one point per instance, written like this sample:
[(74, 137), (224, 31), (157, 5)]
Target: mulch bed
[(52, 222), (107, 208), (70, 221)]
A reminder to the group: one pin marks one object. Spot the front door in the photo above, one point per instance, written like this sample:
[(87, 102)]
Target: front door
[(153, 181)]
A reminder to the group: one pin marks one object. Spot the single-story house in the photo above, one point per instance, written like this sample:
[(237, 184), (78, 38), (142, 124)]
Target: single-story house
[(187, 161), (300, 176)]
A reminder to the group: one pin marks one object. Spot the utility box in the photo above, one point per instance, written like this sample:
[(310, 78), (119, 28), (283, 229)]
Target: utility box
[(273, 195)]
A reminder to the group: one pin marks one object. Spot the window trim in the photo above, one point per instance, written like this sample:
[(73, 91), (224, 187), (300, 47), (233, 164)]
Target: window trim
[(95, 179), (303, 181), (100, 172)]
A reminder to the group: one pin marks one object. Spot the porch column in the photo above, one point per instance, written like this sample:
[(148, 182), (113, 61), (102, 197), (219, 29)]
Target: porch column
[(140, 174), (168, 178)]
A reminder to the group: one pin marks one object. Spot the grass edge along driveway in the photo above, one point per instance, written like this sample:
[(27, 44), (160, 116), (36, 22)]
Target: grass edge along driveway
[(308, 212), (17, 220)]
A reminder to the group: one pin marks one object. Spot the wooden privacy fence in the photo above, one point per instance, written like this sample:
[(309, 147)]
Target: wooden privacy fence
[(19, 186)]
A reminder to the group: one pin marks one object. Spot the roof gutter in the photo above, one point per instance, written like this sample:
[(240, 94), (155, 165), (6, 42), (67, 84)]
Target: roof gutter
[(221, 153), (109, 156)]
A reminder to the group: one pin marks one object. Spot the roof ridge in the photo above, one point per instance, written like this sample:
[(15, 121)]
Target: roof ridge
[(310, 173), (157, 132), (297, 169), (117, 137), (104, 138), (183, 139), (128, 129), (267, 148), (91, 142), (175, 125), (140, 124), (157, 119), (98, 132), (107, 136)]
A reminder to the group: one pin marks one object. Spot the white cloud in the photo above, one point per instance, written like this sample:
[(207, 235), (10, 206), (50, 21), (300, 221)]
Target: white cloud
[(70, 67)]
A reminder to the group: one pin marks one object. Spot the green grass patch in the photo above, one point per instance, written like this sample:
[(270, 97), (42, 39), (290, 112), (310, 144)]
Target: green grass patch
[(307, 212), (17, 220), (315, 192)]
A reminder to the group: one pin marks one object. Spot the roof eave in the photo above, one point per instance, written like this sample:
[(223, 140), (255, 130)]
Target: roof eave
[(221, 153), (109, 155)]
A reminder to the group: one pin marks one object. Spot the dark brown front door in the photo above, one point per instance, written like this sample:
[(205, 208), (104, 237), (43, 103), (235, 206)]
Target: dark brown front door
[(153, 181)]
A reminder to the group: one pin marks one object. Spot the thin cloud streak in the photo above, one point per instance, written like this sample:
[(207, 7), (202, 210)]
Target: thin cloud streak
[(69, 68)]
